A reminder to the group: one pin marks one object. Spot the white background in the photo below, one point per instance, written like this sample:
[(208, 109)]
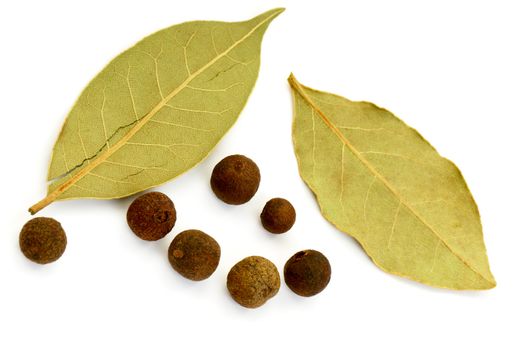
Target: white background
[(451, 69)]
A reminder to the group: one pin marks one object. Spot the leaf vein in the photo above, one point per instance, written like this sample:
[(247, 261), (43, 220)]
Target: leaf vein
[(313, 145), (180, 125), (196, 110), (103, 119), (214, 90), (136, 166), (109, 179), (394, 224), (366, 201)]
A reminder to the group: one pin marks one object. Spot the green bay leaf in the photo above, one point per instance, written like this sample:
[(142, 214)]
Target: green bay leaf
[(381, 182), (156, 110)]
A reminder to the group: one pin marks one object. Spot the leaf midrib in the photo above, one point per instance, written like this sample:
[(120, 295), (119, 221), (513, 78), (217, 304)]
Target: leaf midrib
[(143, 121), (298, 87)]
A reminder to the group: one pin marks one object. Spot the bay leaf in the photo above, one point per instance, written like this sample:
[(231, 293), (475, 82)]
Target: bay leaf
[(156, 110), (381, 182)]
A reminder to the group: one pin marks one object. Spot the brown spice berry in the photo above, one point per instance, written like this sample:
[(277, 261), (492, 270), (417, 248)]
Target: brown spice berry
[(278, 215), (235, 179), (253, 281), (307, 273), (151, 216), (194, 254), (43, 240)]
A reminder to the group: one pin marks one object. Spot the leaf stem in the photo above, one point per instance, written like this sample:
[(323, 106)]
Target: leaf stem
[(41, 205)]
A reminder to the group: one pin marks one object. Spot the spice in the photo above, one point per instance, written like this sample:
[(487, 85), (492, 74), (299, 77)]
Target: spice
[(307, 273), (42, 240), (194, 254), (253, 281), (278, 215), (235, 179), (151, 216)]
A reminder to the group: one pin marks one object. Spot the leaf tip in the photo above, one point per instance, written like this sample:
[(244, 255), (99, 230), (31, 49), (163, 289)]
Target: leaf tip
[(491, 284), (277, 10), (269, 15), (293, 82)]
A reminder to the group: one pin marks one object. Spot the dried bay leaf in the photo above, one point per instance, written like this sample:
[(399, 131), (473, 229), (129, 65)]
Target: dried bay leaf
[(378, 180), (156, 110)]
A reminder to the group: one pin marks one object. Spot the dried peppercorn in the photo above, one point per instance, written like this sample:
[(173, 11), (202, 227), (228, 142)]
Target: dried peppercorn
[(253, 281), (307, 273), (278, 215), (194, 254), (42, 240), (151, 216), (235, 179)]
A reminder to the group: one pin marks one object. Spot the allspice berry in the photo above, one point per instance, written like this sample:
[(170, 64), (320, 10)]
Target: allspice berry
[(42, 240), (235, 179), (253, 281), (151, 216), (194, 254), (278, 215), (307, 273)]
